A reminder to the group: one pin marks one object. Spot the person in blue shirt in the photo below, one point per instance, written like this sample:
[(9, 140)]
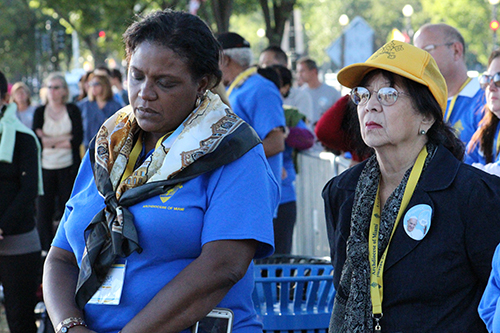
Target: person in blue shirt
[(298, 137), (254, 98), (483, 149), (173, 199), (465, 97), (98, 107)]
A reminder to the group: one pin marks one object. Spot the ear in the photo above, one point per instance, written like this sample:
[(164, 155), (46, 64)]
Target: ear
[(458, 51), (225, 60), (427, 122), (203, 85)]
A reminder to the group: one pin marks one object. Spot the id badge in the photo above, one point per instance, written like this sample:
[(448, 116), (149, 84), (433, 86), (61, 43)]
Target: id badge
[(111, 290)]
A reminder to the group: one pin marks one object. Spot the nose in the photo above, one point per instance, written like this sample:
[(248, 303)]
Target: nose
[(491, 85), (147, 91), (373, 104)]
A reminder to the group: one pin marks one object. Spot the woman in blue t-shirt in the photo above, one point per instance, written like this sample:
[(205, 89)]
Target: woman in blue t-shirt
[(173, 199)]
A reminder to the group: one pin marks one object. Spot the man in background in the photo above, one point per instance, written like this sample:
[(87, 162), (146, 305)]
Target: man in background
[(465, 96), (302, 100), (254, 98), (323, 95)]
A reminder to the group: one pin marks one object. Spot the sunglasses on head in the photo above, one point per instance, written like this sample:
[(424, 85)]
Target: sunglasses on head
[(485, 80), (386, 96)]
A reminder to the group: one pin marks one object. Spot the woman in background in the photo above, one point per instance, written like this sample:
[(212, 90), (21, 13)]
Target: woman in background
[(21, 95), (99, 106), (20, 181), (58, 125), (484, 147)]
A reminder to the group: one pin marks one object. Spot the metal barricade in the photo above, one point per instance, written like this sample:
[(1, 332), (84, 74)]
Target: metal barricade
[(316, 168)]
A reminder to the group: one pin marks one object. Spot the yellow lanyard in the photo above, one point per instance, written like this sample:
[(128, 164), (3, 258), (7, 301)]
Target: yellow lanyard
[(376, 271), (242, 76), (136, 152), (454, 99)]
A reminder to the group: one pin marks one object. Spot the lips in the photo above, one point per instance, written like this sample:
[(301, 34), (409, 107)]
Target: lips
[(145, 111), (372, 125)]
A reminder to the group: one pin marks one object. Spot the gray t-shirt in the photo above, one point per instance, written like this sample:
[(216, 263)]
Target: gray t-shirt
[(323, 98)]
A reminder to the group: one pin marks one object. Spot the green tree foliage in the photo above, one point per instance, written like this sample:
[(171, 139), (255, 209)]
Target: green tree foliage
[(34, 44), (14, 37), (470, 17)]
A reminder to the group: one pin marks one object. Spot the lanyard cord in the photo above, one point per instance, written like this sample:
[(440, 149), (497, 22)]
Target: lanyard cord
[(241, 77), (376, 271), (136, 152), (454, 99)]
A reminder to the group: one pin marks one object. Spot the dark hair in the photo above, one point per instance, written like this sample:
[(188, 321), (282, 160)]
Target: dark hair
[(285, 74), (311, 64), (185, 34), (485, 135), (278, 52), (271, 74), (115, 73), (425, 103), (4, 87)]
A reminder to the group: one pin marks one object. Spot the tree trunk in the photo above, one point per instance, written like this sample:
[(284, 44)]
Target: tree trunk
[(275, 22), (222, 10)]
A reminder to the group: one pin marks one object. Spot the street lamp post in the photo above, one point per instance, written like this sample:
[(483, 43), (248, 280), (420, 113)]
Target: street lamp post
[(343, 21), (407, 13), (494, 4)]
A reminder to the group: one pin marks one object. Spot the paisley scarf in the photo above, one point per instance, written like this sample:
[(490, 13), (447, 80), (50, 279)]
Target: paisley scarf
[(352, 309), (210, 137)]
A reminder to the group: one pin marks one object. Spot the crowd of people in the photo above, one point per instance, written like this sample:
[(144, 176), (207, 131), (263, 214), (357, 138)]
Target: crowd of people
[(146, 199)]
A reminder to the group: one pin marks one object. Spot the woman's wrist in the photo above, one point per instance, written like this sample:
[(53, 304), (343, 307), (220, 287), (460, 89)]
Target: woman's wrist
[(68, 323)]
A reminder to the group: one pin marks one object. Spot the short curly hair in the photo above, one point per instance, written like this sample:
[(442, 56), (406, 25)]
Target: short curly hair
[(183, 33)]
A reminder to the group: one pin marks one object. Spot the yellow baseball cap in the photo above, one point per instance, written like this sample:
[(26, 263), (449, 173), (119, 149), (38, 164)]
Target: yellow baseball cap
[(402, 59)]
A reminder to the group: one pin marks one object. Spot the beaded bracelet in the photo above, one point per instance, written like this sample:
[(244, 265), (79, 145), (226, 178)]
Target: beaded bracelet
[(68, 323)]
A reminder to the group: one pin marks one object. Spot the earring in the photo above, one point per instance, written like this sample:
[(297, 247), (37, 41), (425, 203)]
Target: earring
[(198, 101), (421, 132)]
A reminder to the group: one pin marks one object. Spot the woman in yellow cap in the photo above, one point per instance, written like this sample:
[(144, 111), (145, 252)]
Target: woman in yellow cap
[(387, 278)]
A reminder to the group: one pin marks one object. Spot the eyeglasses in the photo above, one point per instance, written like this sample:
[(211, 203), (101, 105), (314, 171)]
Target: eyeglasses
[(431, 47), (386, 96), (54, 87), (485, 80), (94, 84)]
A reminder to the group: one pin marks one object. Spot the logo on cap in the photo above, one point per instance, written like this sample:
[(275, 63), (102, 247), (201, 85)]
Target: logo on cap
[(389, 49)]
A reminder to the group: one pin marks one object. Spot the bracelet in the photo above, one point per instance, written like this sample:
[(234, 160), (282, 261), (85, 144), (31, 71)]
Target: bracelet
[(68, 323)]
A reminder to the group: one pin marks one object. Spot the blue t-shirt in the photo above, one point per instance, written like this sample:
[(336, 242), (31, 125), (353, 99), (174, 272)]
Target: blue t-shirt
[(236, 201), (93, 117), (489, 309), (258, 102), (467, 112), (476, 155)]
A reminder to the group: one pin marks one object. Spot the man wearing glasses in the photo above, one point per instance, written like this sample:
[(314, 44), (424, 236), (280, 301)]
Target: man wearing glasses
[(465, 97)]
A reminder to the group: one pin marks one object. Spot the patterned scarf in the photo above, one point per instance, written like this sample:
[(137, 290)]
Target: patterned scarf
[(211, 136), (352, 309)]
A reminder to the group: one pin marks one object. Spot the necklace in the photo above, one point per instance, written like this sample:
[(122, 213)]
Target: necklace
[(56, 113)]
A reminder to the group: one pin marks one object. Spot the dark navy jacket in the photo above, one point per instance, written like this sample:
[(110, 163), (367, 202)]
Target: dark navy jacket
[(435, 284)]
